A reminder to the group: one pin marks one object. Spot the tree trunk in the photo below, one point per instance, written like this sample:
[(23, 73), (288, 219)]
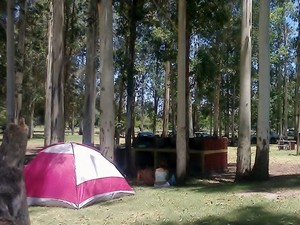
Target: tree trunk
[(155, 97), (261, 166), (188, 98), (143, 103), (173, 105), (12, 156), (244, 145), (107, 113), (21, 58), (190, 117), (232, 120), (130, 85), (90, 77), (10, 71), (216, 112), (48, 85), (286, 85), (298, 89), (31, 120), (120, 126), (181, 135), (166, 100), (57, 114)]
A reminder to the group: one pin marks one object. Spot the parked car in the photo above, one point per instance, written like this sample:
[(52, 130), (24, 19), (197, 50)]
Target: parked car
[(273, 138), (201, 134), (145, 134)]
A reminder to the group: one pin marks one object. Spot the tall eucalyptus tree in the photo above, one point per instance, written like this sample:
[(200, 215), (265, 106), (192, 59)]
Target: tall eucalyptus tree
[(244, 149), (20, 58), (261, 165), (10, 54), (90, 76), (107, 112), (135, 14), (55, 77), (298, 83), (48, 83), (181, 132)]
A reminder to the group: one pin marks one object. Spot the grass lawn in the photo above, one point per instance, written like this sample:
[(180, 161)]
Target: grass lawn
[(200, 201)]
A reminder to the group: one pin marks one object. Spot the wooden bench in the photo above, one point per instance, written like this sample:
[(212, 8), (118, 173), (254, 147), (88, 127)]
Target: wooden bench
[(283, 147)]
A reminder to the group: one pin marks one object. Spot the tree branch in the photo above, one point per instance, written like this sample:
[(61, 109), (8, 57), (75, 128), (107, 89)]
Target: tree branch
[(164, 14)]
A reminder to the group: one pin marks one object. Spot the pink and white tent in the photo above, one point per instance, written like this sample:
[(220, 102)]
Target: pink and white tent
[(72, 175)]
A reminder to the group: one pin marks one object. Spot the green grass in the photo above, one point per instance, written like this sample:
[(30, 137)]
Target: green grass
[(200, 201), (196, 204)]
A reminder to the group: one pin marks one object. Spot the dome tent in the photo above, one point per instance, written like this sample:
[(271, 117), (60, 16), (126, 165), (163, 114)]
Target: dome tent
[(72, 175)]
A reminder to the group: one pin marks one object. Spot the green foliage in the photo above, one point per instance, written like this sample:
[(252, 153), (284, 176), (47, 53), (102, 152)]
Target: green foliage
[(214, 36)]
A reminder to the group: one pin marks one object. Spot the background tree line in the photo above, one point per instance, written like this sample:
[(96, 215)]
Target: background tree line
[(145, 63)]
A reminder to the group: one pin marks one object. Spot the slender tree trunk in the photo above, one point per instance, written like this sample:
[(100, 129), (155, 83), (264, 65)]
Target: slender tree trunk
[(10, 71), (261, 166), (233, 114), (57, 114), (190, 117), (244, 147), (173, 105), (143, 104), (216, 112), (31, 120), (298, 89), (90, 77), (280, 91), (181, 135), (189, 105), (166, 100), (48, 85), (107, 112), (156, 98), (130, 85), (280, 82), (120, 110), (21, 59), (286, 85)]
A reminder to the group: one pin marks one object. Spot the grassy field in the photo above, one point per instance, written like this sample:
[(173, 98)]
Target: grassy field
[(200, 201)]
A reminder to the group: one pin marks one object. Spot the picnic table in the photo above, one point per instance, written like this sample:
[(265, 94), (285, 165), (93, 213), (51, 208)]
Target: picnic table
[(286, 144)]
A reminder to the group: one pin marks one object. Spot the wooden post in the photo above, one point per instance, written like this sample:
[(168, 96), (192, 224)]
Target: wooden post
[(13, 200)]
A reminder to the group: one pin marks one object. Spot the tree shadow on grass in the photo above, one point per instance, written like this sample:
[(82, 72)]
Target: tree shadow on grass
[(253, 215), (275, 182)]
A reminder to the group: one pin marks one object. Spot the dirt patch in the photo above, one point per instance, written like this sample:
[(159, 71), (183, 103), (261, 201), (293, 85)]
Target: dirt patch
[(277, 171), (288, 168)]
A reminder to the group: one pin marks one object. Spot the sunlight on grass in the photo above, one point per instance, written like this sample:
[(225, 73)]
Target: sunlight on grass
[(177, 206)]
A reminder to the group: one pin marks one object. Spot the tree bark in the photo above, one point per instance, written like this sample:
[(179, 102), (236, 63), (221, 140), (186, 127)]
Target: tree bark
[(21, 59), (130, 85), (244, 146), (10, 71), (181, 134), (216, 112), (166, 100), (107, 112), (12, 155), (57, 114), (261, 165), (298, 89), (90, 77), (48, 85)]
